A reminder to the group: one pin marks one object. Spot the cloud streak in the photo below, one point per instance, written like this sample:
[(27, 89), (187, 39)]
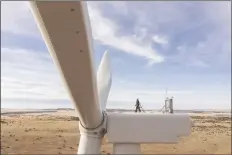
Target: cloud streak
[(186, 24), (106, 32)]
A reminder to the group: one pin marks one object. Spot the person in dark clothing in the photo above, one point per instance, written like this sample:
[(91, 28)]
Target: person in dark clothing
[(137, 105)]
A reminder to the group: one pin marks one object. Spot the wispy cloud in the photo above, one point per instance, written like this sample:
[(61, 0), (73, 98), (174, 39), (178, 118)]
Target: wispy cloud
[(107, 32), (185, 24)]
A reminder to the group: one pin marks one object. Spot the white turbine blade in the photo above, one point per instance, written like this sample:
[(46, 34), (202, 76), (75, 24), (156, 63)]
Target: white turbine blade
[(104, 80), (65, 27)]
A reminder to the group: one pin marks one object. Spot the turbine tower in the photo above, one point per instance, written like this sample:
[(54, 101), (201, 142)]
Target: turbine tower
[(65, 28)]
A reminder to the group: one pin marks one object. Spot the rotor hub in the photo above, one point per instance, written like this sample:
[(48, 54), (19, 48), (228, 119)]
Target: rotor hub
[(99, 131)]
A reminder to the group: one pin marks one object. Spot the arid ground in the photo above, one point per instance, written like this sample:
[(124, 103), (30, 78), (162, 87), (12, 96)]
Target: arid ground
[(58, 134)]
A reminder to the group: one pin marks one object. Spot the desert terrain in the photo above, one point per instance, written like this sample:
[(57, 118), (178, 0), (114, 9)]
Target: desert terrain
[(58, 133)]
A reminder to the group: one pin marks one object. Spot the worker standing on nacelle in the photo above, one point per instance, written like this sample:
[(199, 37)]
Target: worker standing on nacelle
[(137, 105)]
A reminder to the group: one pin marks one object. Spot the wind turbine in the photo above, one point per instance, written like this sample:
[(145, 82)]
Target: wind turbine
[(65, 28)]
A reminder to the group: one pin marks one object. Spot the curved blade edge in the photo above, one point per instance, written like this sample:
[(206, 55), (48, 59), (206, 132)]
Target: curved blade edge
[(104, 80)]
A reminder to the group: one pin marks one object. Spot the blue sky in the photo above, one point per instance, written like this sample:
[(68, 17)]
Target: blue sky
[(185, 46)]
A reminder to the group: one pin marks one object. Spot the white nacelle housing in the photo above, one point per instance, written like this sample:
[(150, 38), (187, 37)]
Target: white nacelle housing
[(147, 128)]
